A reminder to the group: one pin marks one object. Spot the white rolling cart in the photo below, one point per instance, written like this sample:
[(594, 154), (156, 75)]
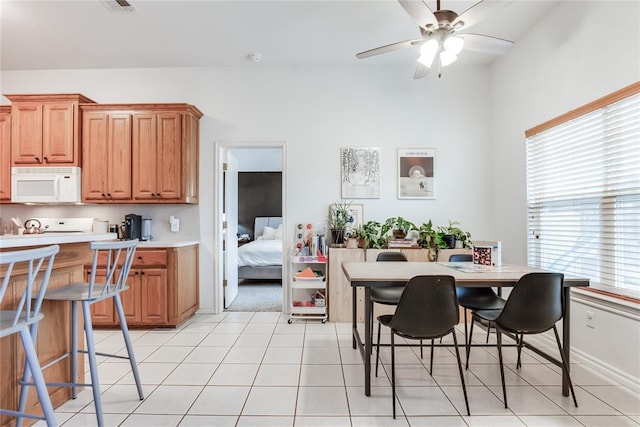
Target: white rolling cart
[(308, 294)]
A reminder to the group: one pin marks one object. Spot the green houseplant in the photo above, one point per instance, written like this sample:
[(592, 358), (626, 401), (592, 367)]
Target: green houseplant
[(446, 236), (427, 235), (370, 235), (339, 217), (399, 227)]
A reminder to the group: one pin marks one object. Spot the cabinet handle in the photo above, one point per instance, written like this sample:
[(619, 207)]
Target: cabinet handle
[(46, 159), (142, 272), (140, 257), (103, 195), (38, 159), (109, 194)]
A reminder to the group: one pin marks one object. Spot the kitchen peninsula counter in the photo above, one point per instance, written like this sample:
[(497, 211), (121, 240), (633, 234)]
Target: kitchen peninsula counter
[(17, 241)]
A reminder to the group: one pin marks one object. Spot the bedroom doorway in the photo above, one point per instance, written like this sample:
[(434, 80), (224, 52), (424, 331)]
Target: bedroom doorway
[(252, 213)]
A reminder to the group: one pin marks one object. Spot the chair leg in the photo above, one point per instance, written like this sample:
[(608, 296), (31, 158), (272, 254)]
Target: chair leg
[(520, 342), (378, 350), (431, 361), (468, 343), (371, 322), (565, 365), (421, 351), (504, 387), (488, 332), (38, 378), (464, 387), (393, 375), (127, 341), (93, 365), (465, 327)]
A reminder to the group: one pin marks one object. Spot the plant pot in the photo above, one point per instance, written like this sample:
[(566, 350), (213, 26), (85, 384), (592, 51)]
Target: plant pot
[(399, 234), (337, 237), (450, 240)]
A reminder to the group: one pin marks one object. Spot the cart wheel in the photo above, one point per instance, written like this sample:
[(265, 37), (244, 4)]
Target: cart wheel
[(289, 321), (324, 320)]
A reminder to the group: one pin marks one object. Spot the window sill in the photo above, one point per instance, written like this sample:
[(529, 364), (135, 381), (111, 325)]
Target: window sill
[(620, 302)]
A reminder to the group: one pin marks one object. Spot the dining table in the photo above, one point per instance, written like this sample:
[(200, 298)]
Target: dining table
[(466, 274)]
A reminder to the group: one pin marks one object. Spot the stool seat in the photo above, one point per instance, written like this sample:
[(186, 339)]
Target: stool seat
[(8, 317), (79, 292)]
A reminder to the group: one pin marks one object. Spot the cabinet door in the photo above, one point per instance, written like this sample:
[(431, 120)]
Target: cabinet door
[(26, 136), (94, 155), (119, 158), (131, 299), (57, 134), (145, 155), (154, 296), (169, 166), (102, 312), (5, 156)]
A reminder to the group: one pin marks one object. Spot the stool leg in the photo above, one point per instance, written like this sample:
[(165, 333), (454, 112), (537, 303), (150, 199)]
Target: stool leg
[(127, 341), (38, 378), (93, 365), (26, 376), (74, 348)]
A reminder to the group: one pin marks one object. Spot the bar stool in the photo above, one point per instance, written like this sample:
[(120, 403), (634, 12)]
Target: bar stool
[(25, 318), (119, 257)]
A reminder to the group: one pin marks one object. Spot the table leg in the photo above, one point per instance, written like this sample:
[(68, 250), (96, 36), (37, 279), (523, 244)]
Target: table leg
[(566, 338), (354, 314), (367, 341)]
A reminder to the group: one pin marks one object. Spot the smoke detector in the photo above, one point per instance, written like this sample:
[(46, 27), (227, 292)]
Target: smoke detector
[(118, 5), (255, 57)]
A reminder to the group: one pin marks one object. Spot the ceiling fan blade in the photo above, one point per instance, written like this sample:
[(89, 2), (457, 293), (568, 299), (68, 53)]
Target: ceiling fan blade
[(483, 43), (420, 13), (387, 48), (478, 12), (421, 71)]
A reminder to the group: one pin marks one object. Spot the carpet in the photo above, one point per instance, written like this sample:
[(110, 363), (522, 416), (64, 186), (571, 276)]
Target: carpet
[(257, 297)]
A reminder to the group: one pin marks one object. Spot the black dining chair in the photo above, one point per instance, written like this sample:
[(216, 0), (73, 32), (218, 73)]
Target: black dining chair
[(534, 306), (475, 298), (427, 309)]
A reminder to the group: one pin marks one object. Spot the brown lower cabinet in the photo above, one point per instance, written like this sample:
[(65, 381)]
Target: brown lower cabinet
[(163, 289)]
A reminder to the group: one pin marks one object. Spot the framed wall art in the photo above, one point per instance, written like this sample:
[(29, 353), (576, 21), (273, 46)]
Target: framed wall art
[(360, 172), (416, 173)]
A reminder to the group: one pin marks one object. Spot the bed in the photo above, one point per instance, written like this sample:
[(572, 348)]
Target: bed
[(261, 258)]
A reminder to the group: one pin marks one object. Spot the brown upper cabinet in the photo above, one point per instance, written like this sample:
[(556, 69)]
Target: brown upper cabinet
[(5, 154), (45, 129), (140, 153)]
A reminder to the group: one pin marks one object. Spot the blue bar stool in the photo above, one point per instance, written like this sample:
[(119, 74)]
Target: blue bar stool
[(118, 257), (24, 319)]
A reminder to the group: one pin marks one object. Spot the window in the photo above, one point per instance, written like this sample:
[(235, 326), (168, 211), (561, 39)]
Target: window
[(583, 193)]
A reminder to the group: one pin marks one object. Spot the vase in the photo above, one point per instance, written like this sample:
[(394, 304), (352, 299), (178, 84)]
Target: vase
[(337, 237), (450, 240)]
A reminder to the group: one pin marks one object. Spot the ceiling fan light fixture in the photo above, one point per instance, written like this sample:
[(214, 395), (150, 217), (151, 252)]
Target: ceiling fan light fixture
[(447, 58), (428, 52), (453, 45)]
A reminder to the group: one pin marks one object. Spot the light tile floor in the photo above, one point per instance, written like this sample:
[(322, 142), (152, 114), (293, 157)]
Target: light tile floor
[(255, 369)]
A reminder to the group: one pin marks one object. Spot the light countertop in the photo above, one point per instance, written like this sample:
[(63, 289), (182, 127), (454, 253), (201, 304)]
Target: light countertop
[(25, 240)]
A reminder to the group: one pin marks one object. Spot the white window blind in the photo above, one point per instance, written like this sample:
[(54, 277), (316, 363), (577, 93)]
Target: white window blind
[(583, 197)]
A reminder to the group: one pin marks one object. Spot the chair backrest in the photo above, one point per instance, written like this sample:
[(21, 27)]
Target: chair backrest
[(428, 307), (117, 258), (461, 258), (391, 256), (39, 263), (535, 304)]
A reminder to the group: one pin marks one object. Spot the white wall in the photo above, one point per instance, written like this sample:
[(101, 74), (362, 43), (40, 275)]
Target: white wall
[(315, 111), (570, 58)]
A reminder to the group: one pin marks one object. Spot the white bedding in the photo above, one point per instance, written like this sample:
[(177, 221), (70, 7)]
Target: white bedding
[(260, 253)]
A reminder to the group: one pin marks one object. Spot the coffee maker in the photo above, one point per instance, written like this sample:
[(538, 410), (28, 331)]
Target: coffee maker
[(132, 227)]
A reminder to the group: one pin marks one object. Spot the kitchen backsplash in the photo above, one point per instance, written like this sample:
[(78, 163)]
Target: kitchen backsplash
[(159, 214)]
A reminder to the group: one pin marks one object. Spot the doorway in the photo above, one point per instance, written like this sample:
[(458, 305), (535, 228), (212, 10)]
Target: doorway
[(249, 212)]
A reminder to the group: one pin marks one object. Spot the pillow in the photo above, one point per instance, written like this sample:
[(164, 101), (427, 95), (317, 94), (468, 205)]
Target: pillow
[(269, 233), (278, 235)]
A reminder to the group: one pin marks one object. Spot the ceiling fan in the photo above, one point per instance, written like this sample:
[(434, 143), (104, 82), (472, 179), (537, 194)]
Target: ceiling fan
[(440, 41)]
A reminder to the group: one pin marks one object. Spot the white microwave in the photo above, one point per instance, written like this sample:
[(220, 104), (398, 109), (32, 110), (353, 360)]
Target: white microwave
[(45, 185)]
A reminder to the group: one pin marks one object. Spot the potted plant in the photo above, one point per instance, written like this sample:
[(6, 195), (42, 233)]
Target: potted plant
[(370, 235), (427, 235), (446, 236), (338, 219), (399, 227)]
